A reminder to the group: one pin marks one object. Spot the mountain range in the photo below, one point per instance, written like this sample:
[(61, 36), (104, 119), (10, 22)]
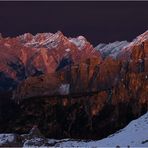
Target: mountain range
[(68, 88)]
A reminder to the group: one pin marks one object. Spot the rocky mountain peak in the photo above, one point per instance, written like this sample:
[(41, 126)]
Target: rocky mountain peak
[(32, 55)]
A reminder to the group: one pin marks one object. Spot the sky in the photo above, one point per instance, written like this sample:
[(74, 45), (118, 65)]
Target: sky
[(97, 21)]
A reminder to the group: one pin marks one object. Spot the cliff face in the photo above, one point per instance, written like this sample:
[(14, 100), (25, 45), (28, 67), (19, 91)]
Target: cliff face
[(79, 93), (122, 78), (29, 55)]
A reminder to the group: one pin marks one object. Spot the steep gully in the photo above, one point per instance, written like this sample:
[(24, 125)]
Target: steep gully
[(80, 95)]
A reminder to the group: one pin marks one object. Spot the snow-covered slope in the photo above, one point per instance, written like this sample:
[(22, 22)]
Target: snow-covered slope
[(118, 47), (111, 49), (138, 40), (134, 134)]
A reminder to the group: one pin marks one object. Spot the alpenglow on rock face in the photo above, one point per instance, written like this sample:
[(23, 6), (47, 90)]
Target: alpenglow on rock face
[(70, 89), (29, 55)]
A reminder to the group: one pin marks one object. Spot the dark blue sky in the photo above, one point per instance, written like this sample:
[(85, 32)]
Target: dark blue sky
[(97, 21)]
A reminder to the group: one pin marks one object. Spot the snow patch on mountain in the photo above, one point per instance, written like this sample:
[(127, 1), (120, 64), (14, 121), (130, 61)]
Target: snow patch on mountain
[(6, 137), (138, 40), (47, 40), (50, 40), (116, 48), (111, 49), (64, 89), (10, 140), (79, 42), (67, 49)]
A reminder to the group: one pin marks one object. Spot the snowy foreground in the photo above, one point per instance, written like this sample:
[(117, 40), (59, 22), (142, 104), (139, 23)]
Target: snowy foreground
[(135, 134)]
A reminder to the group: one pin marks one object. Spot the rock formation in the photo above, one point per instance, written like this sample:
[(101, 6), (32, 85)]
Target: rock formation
[(69, 90), (29, 55)]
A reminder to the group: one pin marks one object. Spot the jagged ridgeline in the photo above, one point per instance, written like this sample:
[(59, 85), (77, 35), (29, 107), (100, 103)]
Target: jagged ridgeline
[(71, 89)]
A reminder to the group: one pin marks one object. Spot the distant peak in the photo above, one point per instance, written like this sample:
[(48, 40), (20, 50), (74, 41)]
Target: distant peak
[(142, 37), (138, 40)]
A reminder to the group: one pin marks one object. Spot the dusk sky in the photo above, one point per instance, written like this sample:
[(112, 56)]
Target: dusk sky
[(97, 21)]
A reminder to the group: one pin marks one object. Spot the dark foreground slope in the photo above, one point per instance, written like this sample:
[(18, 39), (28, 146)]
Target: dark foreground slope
[(133, 135)]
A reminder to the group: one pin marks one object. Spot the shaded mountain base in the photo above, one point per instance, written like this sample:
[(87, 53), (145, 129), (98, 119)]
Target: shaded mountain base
[(8, 110), (68, 117)]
